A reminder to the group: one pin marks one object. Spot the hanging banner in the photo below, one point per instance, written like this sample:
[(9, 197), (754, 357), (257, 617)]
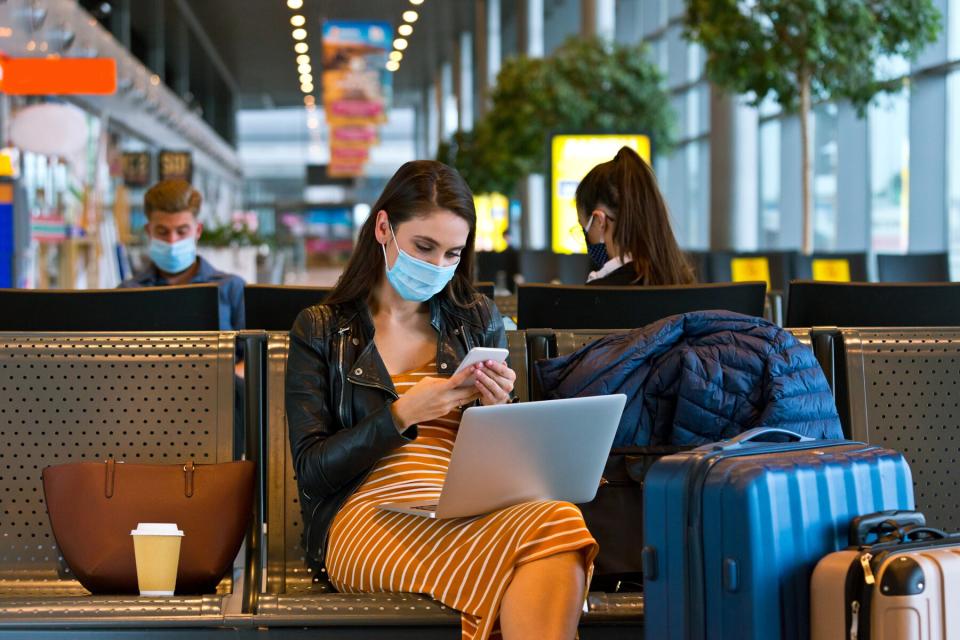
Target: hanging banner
[(572, 156), (356, 90)]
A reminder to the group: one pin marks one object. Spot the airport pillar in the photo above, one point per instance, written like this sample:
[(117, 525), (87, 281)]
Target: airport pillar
[(927, 180), (734, 173), (463, 80), (533, 188), (598, 18), (488, 50)]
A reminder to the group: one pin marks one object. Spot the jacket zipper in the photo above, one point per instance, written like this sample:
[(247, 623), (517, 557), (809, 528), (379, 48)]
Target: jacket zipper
[(343, 376)]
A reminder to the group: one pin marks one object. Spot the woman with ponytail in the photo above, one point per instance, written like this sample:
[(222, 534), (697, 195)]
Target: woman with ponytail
[(627, 227)]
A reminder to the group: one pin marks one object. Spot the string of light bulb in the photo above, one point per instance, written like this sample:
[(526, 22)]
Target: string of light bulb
[(305, 72), (302, 50), (404, 31)]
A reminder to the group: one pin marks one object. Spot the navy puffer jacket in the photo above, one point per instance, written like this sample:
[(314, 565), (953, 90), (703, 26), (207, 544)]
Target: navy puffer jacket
[(700, 377)]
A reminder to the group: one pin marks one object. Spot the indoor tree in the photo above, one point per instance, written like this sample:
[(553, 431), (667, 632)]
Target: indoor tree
[(585, 85), (805, 51)]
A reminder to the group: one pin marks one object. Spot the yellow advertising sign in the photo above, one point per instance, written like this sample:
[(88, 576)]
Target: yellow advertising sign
[(493, 217), (750, 270), (835, 270), (571, 158)]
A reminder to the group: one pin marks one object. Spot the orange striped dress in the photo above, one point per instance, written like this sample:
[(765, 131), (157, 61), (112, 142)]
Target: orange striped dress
[(464, 563)]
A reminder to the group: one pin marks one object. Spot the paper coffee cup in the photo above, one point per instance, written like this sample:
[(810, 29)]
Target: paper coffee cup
[(156, 546)]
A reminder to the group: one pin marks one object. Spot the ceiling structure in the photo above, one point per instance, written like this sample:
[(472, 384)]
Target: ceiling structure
[(253, 38)]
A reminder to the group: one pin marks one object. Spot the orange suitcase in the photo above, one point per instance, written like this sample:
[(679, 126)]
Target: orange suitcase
[(906, 586)]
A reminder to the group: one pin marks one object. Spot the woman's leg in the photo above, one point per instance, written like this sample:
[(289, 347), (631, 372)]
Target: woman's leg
[(544, 599)]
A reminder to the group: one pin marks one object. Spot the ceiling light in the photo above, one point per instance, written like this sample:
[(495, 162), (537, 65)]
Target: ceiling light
[(303, 59), (399, 44), (306, 78), (298, 20), (410, 16), (299, 34), (301, 47), (416, 2), (296, 4), (405, 30), (306, 87), (304, 68), (393, 65), (309, 101), (396, 56)]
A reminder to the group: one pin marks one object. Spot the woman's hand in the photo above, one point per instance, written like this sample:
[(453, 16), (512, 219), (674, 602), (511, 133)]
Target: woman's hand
[(433, 398), (494, 382)]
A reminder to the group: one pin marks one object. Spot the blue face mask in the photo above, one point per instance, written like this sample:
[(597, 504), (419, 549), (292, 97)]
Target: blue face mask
[(596, 250), (173, 258), (416, 280)]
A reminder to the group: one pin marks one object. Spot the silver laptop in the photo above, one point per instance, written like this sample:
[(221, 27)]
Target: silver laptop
[(513, 453)]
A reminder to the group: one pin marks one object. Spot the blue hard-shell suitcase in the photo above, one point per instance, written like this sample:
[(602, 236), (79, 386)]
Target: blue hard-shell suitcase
[(734, 529)]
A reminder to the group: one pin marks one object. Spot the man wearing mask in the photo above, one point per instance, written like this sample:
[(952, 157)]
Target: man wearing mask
[(172, 207)]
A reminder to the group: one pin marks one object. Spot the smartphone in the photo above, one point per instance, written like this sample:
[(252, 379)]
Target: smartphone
[(482, 354)]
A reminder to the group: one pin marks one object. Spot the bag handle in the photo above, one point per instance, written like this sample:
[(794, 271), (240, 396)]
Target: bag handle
[(109, 481), (752, 435), (929, 533), (881, 524), (188, 470)]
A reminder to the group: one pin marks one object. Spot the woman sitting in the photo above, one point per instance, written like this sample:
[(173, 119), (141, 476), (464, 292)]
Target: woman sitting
[(373, 414), (627, 227)]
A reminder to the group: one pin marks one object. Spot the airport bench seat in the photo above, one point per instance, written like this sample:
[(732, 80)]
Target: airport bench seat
[(903, 392), (293, 598), (70, 397), (44, 610)]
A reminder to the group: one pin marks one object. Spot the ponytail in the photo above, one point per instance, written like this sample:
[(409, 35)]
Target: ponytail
[(628, 186)]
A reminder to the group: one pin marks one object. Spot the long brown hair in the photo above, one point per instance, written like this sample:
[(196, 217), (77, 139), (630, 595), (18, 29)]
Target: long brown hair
[(417, 189), (628, 187)]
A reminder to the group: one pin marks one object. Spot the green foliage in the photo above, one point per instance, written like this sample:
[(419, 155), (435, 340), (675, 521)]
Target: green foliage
[(763, 47), (586, 85)]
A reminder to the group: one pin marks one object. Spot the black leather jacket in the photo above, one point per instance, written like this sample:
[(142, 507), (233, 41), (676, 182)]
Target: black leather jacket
[(338, 396)]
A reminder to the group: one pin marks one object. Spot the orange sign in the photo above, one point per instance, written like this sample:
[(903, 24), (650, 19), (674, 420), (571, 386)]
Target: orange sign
[(58, 76)]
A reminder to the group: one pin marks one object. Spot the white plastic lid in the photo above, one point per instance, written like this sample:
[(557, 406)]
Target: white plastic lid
[(156, 529)]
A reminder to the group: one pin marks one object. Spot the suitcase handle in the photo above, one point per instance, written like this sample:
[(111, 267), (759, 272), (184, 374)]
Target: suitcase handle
[(752, 435), (929, 533), (882, 523)]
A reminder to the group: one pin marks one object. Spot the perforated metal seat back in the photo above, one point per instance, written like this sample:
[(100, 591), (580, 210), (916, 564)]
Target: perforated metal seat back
[(287, 570), (904, 389), (145, 398), (517, 344)]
